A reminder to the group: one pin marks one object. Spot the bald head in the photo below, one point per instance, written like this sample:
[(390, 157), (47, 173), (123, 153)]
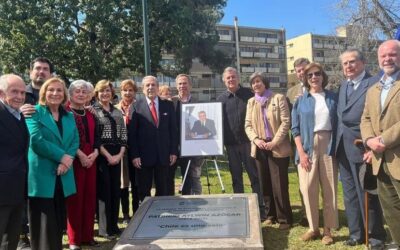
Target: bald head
[(389, 56), (12, 90)]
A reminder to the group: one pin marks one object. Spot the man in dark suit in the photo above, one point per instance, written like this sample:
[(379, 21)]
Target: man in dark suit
[(350, 157), (14, 144), (153, 139), (203, 128)]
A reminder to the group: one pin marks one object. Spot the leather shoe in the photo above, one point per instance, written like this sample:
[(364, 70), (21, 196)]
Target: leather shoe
[(352, 242), (91, 243)]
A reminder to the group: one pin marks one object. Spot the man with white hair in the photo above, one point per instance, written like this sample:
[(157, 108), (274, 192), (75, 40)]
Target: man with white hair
[(14, 144), (153, 139), (380, 131)]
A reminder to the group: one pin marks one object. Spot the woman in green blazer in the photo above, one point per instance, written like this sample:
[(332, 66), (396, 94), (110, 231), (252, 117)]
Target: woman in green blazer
[(53, 145)]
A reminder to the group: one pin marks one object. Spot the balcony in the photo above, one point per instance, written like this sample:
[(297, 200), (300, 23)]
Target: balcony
[(273, 55), (246, 39), (318, 59), (272, 40), (246, 54), (260, 69), (225, 37), (260, 54), (328, 46), (331, 60), (259, 39), (273, 70), (275, 85), (247, 69), (318, 45)]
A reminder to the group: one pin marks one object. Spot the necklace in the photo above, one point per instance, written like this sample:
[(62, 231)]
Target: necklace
[(80, 112)]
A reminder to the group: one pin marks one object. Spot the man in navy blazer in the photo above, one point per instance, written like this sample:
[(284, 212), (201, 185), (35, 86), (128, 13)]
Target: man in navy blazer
[(153, 139), (350, 157), (14, 144)]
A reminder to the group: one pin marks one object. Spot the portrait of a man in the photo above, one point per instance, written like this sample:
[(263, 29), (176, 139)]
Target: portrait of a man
[(203, 128)]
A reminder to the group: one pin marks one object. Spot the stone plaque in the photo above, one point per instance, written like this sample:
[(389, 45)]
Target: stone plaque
[(227, 221), (211, 217)]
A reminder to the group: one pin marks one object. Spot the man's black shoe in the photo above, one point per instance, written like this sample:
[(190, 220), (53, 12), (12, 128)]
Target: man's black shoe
[(352, 242)]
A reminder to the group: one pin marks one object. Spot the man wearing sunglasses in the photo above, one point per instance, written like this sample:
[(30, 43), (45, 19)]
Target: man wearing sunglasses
[(350, 157)]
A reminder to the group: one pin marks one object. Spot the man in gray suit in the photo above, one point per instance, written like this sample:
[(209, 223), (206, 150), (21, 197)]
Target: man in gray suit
[(350, 157)]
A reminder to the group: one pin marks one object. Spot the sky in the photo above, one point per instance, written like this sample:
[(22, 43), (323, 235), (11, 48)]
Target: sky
[(297, 17)]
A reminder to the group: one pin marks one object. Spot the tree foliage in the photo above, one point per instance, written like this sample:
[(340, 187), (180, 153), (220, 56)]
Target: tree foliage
[(95, 39)]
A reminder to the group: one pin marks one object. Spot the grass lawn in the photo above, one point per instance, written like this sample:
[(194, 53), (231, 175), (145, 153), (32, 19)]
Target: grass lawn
[(273, 237)]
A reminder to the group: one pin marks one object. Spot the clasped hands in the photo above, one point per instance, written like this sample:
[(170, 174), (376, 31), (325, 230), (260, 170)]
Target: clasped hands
[(261, 144), (65, 164)]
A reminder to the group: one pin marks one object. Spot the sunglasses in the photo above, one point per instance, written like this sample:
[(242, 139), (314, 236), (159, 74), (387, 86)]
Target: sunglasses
[(317, 74)]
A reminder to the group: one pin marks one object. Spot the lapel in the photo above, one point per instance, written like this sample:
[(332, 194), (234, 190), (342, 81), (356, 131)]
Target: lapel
[(362, 88), (392, 92), (46, 119), (7, 119), (146, 110)]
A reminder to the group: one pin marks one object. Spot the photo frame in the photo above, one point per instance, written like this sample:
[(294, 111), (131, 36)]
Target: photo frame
[(201, 129)]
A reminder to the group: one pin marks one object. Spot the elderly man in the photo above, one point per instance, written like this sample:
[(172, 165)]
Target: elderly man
[(153, 139), (237, 144), (14, 144), (192, 183), (380, 130), (350, 157)]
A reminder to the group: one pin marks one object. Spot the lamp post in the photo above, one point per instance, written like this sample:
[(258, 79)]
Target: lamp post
[(146, 38)]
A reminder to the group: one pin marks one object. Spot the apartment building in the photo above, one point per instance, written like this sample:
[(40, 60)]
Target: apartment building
[(260, 50), (326, 50)]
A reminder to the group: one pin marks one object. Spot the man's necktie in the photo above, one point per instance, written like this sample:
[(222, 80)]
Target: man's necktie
[(154, 112), (350, 89)]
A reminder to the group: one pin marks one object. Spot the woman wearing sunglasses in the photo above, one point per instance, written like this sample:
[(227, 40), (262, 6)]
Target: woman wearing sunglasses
[(314, 122)]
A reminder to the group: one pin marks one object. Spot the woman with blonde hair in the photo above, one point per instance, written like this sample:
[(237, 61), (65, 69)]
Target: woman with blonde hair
[(53, 146), (128, 97)]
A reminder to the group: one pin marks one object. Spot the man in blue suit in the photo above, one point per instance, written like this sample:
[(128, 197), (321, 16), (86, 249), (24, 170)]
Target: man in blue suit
[(350, 157), (153, 139)]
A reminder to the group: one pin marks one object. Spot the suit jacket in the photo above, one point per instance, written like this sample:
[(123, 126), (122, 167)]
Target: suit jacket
[(153, 144), (14, 144), (47, 147), (208, 128), (293, 92), (349, 117), (279, 119), (383, 122)]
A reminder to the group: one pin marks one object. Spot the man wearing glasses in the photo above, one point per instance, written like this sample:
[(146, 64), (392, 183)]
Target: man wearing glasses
[(350, 157)]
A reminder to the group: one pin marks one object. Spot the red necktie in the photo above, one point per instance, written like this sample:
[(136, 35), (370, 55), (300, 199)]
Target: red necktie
[(154, 112)]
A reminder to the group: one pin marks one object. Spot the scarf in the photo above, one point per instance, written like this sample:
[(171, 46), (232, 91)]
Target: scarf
[(263, 99)]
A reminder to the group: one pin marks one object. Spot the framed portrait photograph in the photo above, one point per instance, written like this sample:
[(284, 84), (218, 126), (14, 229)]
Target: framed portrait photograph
[(201, 133)]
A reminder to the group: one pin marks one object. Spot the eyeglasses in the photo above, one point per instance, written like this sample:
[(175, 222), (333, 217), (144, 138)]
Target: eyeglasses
[(317, 74)]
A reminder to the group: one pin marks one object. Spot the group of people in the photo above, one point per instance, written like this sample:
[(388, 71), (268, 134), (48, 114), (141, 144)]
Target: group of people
[(76, 159)]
